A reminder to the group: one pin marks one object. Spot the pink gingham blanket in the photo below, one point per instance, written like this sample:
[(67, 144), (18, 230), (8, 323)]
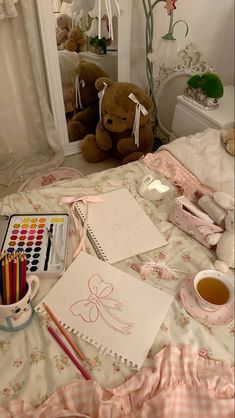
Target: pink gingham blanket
[(165, 163), (180, 384)]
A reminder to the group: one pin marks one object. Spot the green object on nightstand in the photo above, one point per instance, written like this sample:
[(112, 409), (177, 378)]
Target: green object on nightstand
[(209, 82)]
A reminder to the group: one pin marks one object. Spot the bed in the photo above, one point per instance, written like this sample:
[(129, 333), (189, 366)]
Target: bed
[(35, 373)]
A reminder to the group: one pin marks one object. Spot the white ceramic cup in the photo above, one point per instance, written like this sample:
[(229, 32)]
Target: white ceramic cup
[(16, 316), (203, 303)]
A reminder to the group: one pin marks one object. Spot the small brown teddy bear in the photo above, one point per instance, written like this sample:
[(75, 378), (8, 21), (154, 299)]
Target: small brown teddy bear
[(87, 116), (74, 40), (64, 24), (120, 105), (228, 139)]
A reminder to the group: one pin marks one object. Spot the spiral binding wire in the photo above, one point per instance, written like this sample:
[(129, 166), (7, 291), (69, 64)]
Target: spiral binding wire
[(91, 236), (101, 348)]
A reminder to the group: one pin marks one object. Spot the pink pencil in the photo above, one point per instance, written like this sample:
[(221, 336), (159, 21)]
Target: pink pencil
[(69, 354)]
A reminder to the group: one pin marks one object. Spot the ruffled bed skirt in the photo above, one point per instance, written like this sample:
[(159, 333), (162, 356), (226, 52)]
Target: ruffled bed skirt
[(180, 384)]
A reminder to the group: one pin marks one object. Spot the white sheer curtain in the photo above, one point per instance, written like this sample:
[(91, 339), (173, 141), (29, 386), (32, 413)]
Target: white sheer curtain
[(29, 143)]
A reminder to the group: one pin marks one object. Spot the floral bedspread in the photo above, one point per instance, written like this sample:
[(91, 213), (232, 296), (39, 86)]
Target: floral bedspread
[(32, 366)]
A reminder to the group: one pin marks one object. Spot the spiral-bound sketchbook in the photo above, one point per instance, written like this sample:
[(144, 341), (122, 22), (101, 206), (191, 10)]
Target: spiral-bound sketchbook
[(101, 304), (118, 227)]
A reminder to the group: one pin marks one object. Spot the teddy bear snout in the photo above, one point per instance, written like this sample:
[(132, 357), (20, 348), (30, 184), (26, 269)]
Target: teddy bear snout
[(109, 121)]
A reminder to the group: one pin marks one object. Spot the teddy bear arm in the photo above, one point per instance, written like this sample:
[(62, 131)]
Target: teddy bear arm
[(127, 145), (88, 116), (61, 36), (103, 138)]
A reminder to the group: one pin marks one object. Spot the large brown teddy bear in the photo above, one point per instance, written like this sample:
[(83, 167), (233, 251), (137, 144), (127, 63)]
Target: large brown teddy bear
[(64, 24), (114, 132), (75, 40), (87, 116)]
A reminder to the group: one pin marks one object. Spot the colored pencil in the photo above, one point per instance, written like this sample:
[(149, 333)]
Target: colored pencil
[(14, 267), (22, 277), (17, 279), (1, 283), (68, 352), (64, 332), (13, 285), (10, 279), (7, 280)]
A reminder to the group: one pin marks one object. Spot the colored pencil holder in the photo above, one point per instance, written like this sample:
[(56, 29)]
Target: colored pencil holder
[(16, 316)]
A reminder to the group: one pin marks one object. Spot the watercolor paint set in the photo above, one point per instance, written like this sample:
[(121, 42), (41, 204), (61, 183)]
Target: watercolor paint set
[(42, 237)]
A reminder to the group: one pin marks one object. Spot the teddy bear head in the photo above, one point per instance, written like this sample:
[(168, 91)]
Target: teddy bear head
[(74, 40), (117, 109), (64, 21), (88, 74)]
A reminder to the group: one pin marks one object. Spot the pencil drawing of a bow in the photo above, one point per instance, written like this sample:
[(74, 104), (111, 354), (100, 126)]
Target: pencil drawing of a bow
[(99, 304)]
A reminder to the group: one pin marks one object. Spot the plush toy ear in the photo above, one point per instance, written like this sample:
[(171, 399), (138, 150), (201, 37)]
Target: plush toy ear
[(90, 72), (99, 84), (143, 98)]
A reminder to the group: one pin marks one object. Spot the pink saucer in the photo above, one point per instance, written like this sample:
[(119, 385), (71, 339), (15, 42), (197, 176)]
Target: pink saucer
[(222, 316)]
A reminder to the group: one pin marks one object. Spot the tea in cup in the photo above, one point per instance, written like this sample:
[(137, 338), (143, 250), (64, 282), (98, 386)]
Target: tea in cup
[(213, 289), (16, 316)]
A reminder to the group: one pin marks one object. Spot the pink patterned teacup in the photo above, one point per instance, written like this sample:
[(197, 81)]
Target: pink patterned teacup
[(213, 290)]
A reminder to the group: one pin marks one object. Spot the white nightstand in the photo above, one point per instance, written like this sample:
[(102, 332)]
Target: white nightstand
[(189, 119), (108, 62)]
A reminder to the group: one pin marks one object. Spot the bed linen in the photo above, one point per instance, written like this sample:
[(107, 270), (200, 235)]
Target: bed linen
[(32, 366), (179, 384), (204, 155)]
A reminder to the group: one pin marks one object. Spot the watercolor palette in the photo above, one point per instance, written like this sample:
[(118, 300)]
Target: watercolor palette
[(42, 237)]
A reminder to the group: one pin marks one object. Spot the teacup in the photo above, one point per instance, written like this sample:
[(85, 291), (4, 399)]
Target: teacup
[(213, 289), (16, 316)]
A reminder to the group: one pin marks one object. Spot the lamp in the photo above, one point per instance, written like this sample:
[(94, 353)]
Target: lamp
[(92, 32), (166, 53), (80, 9), (109, 8), (56, 6)]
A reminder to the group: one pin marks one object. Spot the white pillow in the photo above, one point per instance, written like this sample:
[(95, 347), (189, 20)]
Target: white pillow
[(205, 156), (68, 61)]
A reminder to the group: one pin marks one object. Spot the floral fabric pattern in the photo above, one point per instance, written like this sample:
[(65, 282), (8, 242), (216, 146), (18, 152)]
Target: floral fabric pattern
[(33, 366)]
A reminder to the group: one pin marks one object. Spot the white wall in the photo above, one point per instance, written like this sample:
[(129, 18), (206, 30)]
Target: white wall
[(124, 40), (211, 28)]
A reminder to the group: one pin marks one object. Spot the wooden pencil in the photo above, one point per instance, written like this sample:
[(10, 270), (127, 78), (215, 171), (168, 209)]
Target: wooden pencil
[(68, 352), (1, 284), (22, 277), (64, 332), (7, 280), (14, 268), (17, 279), (10, 279)]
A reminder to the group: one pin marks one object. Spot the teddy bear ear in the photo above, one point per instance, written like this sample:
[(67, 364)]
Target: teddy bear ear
[(143, 98), (99, 84)]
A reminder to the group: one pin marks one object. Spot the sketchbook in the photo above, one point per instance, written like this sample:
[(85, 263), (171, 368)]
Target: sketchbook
[(118, 227), (101, 304)]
